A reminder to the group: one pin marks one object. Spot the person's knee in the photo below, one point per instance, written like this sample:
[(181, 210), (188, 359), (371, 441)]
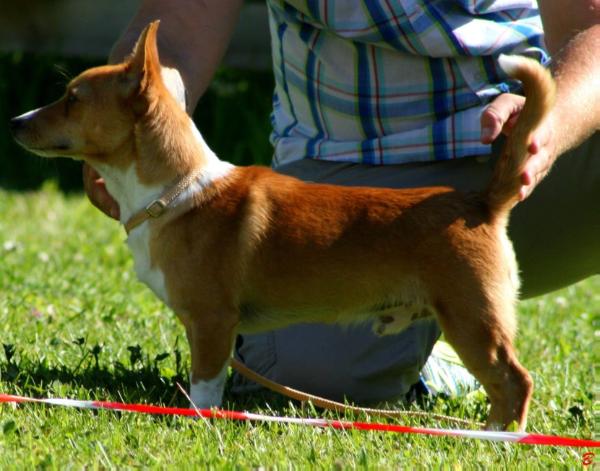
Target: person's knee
[(340, 362)]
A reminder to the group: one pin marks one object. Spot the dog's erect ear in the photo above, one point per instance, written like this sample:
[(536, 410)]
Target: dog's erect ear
[(144, 58), (143, 65)]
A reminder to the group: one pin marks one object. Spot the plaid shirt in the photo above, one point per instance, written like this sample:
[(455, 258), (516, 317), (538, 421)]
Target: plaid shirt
[(391, 81)]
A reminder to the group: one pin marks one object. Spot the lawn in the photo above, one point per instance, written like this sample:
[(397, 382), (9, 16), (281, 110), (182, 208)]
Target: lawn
[(75, 323)]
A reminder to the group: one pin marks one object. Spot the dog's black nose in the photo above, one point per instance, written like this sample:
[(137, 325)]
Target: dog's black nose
[(16, 124)]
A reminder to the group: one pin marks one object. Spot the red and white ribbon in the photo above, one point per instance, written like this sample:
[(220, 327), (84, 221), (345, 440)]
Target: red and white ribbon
[(515, 437)]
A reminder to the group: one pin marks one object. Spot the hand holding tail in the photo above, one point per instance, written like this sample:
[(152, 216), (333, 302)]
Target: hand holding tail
[(527, 155)]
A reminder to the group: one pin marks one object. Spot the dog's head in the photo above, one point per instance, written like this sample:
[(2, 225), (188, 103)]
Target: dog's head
[(95, 120)]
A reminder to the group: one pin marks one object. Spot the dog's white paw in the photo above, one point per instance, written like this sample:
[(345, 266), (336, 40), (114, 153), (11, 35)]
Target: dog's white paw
[(209, 393)]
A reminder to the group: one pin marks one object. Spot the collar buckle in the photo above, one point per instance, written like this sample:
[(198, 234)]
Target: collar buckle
[(162, 204), (156, 208)]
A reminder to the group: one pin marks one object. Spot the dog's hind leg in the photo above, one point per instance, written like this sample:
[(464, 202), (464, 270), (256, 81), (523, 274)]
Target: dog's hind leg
[(481, 330)]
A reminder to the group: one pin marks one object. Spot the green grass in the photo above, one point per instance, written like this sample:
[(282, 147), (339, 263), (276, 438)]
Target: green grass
[(74, 322)]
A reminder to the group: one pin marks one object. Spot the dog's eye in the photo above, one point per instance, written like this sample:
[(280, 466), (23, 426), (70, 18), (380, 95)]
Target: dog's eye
[(70, 101), (71, 98)]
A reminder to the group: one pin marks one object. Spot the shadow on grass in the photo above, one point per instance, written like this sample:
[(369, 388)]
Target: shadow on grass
[(143, 380), (155, 381)]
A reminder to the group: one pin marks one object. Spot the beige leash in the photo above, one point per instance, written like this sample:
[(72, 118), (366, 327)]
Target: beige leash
[(338, 406)]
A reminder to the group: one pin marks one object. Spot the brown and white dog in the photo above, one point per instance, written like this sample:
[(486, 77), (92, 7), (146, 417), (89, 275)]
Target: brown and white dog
[(244, 249)]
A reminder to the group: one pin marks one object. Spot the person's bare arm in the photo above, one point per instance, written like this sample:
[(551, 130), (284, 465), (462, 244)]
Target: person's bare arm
[(573, 40), (193, 38), (576, 69), (562, 20)]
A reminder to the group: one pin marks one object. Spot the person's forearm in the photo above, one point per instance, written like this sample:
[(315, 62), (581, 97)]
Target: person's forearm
[(573, 40), (563, 20), (576, 68), (192, 38)]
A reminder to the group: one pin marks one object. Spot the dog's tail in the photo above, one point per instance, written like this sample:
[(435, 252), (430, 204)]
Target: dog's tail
[(502, 192)]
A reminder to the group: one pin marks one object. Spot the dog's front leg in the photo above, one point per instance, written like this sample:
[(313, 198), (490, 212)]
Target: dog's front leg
[(211, 341)]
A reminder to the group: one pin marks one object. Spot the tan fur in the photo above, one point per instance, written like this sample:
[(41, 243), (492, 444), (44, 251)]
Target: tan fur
[(257, 250), (503, 190)]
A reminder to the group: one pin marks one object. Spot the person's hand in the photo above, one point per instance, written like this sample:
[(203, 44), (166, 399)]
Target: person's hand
[(500, 116), (95, 188)]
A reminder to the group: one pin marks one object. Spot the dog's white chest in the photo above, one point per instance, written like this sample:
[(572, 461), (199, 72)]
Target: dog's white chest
[(131, 195), (139, 244)]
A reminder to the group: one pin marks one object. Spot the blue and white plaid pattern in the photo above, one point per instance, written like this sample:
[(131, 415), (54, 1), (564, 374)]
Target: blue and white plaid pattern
[(391, 81)]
